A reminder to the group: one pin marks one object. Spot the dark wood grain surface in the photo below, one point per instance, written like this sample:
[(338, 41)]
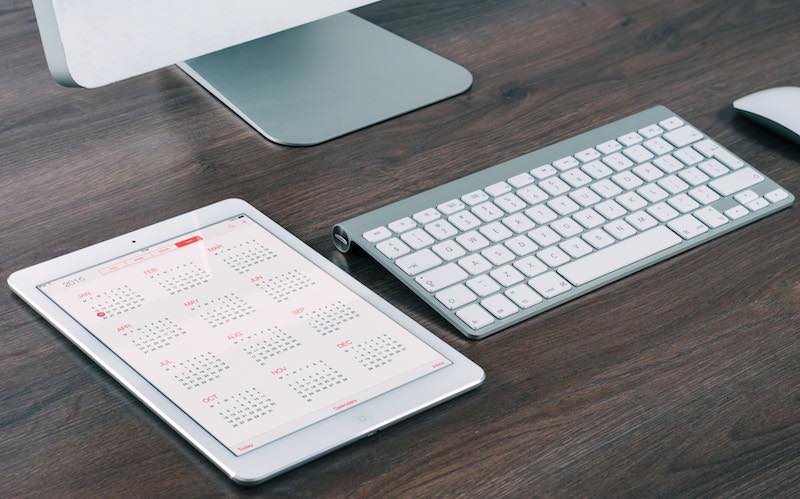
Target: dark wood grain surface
[(680, 380)]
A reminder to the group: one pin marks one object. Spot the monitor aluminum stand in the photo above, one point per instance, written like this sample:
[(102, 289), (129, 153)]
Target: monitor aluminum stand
[(324, 79)]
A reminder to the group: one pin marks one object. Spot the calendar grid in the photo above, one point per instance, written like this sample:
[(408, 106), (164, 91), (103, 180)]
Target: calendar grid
[(181, 277), (154, 335), (312, 379), (197, 370), (376, 352)]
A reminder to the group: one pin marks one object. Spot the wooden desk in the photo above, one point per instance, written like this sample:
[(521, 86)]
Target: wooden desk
[(682, 379)]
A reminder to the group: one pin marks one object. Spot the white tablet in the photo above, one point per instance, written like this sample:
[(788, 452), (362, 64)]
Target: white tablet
[(255, 348)]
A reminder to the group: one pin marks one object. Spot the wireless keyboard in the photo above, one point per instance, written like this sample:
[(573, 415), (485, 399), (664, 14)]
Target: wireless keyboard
[(504, 244)]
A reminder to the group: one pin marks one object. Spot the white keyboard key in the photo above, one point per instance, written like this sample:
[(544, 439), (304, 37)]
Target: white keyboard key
[(688, 156), (651, 131), (497, 189), (441, 229), (617, 161), (544, 236), (455, 296), (683, 136), (475, 197), (418, 262), (587, 155), (618, 256), (417, 238), (475, 264), (464, 220), (566, 227), (554, 186), (673, 184), (736, 212), (658, 146), (523, 296), (683, 203), (776, 195), (566, 163), (521, 180), (630, 139), (584, 196), (597, 169), (638, 154), (497, 254), (576, 177), (711, 217), (714, 168), (707, 147), (487, 211), (544, 171), (500, 306), (668, 163), (627, 180), (563, 205), (575, 247), (449, 250), (757, 204), (652, 192), (495, 231), (483, 285), (693, 176), (728, 158), (507, 275), (549, 284), (588, 218), (641, 220), (427, 215), (393, 248), (541, 214), (450, 207), (711, 149), (553, 256), (402, 225), (518, 223), (688, 226), (736, 181), (598, 238), (663, 211), (510, 203), (472, 241), (532, 194), (620, 229), (609, 147), (703, 194), (377, 234), (610, 209), (521, 245), (745, 197), (475, 316), (606, 188), (631, 201), (648, 172), (671, 123), (530, 266)]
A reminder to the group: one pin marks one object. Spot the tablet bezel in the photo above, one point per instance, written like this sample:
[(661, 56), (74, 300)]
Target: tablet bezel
[(286, 452)]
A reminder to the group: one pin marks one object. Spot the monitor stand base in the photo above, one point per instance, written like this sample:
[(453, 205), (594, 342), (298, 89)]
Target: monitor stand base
[(324, 79)]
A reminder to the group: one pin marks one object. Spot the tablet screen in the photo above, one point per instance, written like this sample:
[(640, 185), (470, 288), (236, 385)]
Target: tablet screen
[(247, 336)]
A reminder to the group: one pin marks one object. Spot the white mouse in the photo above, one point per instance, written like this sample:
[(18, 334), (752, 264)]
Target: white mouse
[(776, 108)]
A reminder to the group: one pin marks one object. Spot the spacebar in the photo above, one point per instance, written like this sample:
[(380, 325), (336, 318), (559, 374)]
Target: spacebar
[(620, 255)]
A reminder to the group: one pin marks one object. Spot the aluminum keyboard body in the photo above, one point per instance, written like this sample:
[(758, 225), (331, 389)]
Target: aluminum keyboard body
[(509, 242)]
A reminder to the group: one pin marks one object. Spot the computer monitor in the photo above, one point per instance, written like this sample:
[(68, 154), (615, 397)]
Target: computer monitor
[(300, 72)]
